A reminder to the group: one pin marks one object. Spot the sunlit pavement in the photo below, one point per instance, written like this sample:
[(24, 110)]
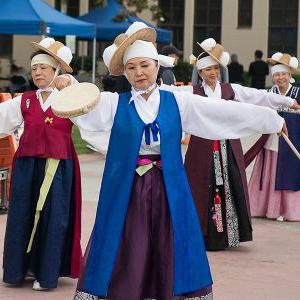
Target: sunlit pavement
[(266, 269)]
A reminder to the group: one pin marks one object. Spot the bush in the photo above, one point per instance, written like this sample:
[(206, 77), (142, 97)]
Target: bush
[(183, 71), (82, 63), (297, 80)]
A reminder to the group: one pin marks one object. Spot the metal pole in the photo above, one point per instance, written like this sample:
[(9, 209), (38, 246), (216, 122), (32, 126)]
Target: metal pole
[(94, 61)]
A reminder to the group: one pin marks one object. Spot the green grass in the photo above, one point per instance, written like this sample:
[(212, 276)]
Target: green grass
[(79, 143)]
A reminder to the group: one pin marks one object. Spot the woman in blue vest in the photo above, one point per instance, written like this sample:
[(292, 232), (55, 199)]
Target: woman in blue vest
[(146, 242), (216, 169), (274, 187), (42, 237)]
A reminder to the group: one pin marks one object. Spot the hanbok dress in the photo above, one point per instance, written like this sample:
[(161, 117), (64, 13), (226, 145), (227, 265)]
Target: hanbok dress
[(46, 150), (147, 242), (274, 186)]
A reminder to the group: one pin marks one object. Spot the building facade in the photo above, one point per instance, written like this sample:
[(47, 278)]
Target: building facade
[(242, 26)]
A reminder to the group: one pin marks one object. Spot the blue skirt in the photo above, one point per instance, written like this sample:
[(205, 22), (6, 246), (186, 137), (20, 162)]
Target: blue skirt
[(51, 249)]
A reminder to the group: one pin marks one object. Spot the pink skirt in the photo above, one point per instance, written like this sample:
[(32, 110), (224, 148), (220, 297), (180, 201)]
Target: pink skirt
[(266, 202)]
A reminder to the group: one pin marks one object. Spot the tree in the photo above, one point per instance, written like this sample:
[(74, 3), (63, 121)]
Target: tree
[(135, 7)]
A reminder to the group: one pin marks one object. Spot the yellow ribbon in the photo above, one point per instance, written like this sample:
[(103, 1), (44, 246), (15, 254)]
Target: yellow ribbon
[(50, 170), (141, 170)]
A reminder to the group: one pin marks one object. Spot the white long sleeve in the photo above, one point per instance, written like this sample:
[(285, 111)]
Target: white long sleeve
[(260, 97), (242, 94), (175, 88), (102, 116), (10, 116), (220, 119), (202, 116)]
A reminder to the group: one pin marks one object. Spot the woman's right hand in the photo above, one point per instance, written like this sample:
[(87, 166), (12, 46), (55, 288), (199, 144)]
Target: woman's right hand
[(284, 130), (295, 105)]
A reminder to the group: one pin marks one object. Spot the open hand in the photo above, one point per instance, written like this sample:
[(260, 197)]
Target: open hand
[(63, 81)]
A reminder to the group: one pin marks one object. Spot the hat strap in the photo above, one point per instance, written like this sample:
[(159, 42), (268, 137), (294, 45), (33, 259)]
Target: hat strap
[(50, 89)]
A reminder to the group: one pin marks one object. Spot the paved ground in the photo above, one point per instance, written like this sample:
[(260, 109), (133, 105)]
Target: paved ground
[(266, 269)]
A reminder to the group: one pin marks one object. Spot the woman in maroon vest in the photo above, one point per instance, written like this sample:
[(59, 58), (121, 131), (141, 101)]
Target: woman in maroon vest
[(43, 226), (216, 169)]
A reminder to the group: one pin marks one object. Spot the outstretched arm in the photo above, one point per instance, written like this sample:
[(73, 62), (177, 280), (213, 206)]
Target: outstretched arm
[(101, 118), (220, 119), (262, 97), (10, 116)]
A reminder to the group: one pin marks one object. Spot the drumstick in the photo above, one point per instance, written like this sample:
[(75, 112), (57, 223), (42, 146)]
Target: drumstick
[(291, 145)]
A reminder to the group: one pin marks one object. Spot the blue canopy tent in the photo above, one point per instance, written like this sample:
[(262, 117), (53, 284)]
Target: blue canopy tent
[(35, 17), (108, 29)]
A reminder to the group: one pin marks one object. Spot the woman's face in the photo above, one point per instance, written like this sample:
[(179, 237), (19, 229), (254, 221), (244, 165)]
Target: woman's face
[(210, 74), (282, 79), (141, 72), (42, 75)]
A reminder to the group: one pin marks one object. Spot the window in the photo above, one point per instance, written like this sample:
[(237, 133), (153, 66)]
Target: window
[(69, 7), (283, 26), (6, 45), (245, 8), (173, 12), (92, 4), (207, 21)]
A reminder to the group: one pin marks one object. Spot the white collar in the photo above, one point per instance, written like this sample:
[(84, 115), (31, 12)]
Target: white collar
[(288, 89), (45, 105), (135, 95), (216, 93)]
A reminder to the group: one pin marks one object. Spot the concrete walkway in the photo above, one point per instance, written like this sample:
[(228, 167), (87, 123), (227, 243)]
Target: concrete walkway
[(266, 269)]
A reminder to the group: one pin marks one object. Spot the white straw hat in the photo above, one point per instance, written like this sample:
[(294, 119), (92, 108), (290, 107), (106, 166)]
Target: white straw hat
[(136, 31), (216, 51), (285, 59), (57, 50)]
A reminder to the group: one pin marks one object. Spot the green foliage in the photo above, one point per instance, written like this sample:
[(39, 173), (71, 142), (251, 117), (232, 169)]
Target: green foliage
[(101, 3), (247, 79), (122, 16), (135, 7), (297, 80), (80, 145), (82, 63), (183, 71)]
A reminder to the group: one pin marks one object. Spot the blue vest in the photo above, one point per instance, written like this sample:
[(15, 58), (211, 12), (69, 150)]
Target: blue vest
[(191, 269), (288, 165)]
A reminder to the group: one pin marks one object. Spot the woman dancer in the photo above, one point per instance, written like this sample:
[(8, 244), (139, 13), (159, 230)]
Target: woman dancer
[(274, 187), (147, 241), (43, 226)]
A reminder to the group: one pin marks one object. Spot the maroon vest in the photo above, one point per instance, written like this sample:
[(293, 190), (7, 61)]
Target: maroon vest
[(45, 135), (199, 160)]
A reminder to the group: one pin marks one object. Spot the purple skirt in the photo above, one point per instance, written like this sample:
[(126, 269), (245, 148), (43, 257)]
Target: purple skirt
[(144, 264)]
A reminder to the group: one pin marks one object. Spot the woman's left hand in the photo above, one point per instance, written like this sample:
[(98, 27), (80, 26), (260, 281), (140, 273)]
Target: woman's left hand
[(295, 105), (63, 81)]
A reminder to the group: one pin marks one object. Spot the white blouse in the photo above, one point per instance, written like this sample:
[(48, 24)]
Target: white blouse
[(201, 116), (273, 141), (241, 94), (10, 111)]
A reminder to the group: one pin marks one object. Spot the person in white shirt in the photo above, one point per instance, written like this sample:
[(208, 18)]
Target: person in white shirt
[(216, 169), (274, 186), (147, 241), (42, 237)]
